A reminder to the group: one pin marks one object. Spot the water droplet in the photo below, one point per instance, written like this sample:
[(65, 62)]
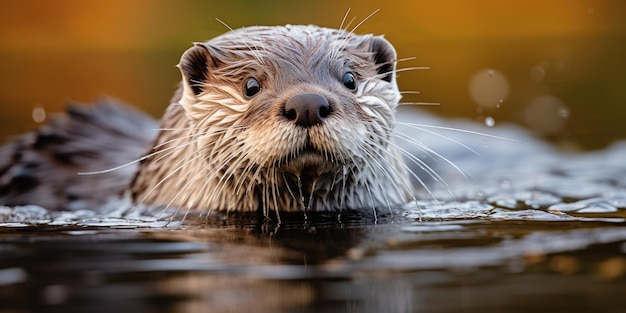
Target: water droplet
[(39, 114), (490, 121), (537, 73), (546, 114), (500, 102), (488, 87)]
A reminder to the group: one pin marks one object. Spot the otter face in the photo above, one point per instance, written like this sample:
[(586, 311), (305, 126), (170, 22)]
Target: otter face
[(292, 115)]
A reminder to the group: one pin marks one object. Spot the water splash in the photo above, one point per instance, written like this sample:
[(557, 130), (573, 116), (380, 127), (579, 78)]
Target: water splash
[(546, 114), (490, 121), (39, 114), (488, 88)]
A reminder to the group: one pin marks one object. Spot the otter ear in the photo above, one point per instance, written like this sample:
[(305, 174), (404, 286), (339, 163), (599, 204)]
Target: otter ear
[(384, 56), (194, 66)]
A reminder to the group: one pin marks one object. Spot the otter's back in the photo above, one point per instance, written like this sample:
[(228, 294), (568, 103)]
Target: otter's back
[(42, 167)]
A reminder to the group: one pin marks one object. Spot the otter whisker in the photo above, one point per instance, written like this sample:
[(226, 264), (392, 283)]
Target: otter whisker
[(147, 156), (344, 40), (170, 174), (224, 23), (235, 160), (194, 134), (201, 201), (245, 173), (249, 174), (363, 21), (207, 180), (344, 162), (350, 23), (173, 140), (460, 130), (206, 199), (415, 176), (301, 193), (429, 150), (426, 168), (406, 59), (343, 194), (311, 193), (343, 20), (254, 51), (180, 192), (172, 151), (374, 161), (420, 103), (275, 193), (174, 129), (264, 207), (261, 44), (217, 191), (194, 202), (363, 181), (373, 207), (229, 141), (413, 92), (289, 188), (415, 141), (406, 186), (405, 69), (421, 163)]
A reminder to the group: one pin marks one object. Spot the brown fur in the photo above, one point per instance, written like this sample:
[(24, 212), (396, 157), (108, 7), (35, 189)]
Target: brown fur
[(41, 167), (218, 149)]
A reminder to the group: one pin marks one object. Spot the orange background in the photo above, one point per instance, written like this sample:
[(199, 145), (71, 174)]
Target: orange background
[(55, 51)]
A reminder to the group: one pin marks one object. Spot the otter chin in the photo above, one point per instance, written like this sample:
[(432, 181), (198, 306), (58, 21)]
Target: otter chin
[(285, 118)]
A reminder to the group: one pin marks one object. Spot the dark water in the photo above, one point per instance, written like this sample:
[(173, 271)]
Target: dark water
[(524, 228), (471, 267)]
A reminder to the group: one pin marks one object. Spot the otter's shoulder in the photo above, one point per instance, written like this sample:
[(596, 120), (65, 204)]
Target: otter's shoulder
[(42, 167)]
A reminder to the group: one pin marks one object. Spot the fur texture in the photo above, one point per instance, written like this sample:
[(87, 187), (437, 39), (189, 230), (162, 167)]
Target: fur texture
[(42, 167), (226, 141)]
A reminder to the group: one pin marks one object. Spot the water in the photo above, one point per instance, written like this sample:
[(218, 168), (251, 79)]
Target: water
[(521, 228)]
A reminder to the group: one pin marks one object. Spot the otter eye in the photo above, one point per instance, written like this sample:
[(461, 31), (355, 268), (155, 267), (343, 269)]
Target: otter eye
[(251, 87), (349, 81)]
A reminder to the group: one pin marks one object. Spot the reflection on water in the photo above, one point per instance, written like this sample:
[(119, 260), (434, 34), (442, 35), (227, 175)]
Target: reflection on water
[(398, 266), (516, 227)]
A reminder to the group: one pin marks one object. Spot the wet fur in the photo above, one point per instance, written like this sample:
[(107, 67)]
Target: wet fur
[(41, 167), (219, 150)]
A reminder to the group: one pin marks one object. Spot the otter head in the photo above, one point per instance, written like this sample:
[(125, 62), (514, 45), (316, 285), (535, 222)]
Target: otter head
[(293, 118)]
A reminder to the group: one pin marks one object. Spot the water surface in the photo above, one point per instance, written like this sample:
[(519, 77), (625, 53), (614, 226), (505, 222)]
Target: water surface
[(522, 228)]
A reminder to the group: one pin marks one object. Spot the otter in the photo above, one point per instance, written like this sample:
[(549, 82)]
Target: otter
[(268, 118)]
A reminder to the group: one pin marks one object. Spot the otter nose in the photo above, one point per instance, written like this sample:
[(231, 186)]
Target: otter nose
[(307, 109)]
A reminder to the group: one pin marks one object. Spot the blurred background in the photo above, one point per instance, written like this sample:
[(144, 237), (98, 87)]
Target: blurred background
[(556, 67)]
